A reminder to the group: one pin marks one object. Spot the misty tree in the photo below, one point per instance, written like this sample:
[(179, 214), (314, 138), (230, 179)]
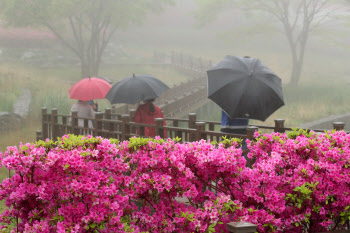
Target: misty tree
[(83, 26), (298, 19)]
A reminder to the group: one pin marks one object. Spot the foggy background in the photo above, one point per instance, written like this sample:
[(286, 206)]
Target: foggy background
[(30, 52)]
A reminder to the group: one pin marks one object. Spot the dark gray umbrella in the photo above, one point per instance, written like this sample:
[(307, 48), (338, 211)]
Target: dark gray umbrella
[(136, 89), (245, 88)]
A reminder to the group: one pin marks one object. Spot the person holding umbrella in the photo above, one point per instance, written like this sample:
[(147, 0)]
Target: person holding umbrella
[(137, 88), (244, 88), (146, 113), (93, 104), (84, 111), (234, 126), (85, 90)]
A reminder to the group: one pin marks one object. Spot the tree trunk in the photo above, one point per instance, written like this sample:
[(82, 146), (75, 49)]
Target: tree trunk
[(85, 70), (89, 68), (296, 73), (298, 58), (95, 65), (296, 66)]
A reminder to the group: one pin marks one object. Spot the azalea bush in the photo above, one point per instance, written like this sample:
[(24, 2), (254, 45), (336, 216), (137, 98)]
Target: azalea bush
[(299, 182), (86, 184)]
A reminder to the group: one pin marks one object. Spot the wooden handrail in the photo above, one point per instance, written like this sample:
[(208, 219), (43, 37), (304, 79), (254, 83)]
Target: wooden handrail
[(56, 125)]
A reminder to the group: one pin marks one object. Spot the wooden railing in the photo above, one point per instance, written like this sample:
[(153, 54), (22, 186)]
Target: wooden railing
[(110, 124), (122, 126)]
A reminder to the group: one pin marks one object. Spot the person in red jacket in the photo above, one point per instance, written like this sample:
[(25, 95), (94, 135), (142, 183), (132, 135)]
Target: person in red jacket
[(146, 113)]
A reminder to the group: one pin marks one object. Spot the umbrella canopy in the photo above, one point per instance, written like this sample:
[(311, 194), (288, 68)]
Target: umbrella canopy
[(245, 88), (89, 89), (135, 89)]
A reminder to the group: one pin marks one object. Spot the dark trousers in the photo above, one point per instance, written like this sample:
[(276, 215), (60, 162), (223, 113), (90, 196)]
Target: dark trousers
[(235, 131)]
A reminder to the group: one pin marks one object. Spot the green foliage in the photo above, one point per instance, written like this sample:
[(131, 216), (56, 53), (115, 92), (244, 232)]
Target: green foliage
[(49, 144), (187, 216), (8, 228), (73, 141), (297, 132), (228, 142), (230, 205), (136, 143), (345, 215), (303, 193), (211, 227)]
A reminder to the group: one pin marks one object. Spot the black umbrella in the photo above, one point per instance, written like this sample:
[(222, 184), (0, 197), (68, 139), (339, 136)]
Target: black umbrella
[(136, 89), (245, 88)]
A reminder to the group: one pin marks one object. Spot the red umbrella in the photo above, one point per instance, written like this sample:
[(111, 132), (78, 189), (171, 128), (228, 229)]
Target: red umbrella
[(89, 89)]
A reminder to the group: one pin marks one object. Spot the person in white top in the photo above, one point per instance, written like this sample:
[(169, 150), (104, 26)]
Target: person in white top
[(85, 111)]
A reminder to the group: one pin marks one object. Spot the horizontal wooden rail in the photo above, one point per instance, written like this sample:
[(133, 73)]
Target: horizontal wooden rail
[(123, 127)]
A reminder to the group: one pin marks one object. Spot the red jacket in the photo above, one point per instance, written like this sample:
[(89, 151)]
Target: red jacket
[(144, 116)]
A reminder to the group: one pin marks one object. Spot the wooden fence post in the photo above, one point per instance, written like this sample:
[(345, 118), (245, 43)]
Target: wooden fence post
[(39, 135), (192, 117), (241, 227), (75, 129), (108, 113), (114, 110), (108, 116), (98, 124), (125, 127), (211, 126), (250, 135), (279, 126), (338, 125), (132, 113), (44, 126), (54, 121), (159, 124), (64, 120), (200, 126), (250, 132), (177, 133)]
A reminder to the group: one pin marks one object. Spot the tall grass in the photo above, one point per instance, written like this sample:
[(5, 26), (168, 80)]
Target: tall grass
[(9, 91)]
